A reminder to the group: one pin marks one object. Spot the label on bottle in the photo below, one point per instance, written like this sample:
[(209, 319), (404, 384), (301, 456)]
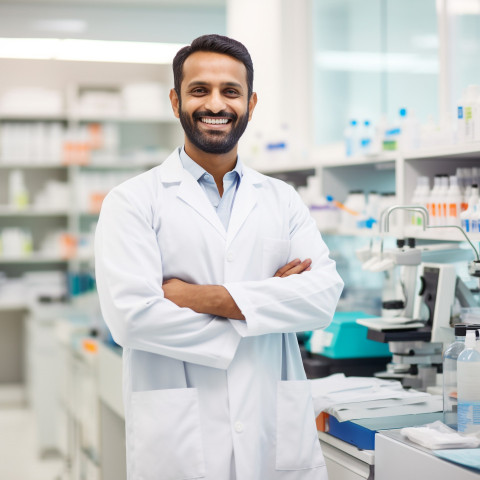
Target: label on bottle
[(468, 416), (453, 210), (460, 113)]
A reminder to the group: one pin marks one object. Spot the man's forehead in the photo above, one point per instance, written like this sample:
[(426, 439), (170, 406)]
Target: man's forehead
[(213, 62)]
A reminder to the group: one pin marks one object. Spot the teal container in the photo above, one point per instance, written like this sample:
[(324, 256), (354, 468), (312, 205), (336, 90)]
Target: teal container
[(345, 338)]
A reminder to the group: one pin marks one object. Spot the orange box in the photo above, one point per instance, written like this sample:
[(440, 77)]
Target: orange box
[(322, 422)]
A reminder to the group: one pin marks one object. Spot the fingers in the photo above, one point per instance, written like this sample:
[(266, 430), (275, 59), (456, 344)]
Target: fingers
[(287, 267), (294, 267)]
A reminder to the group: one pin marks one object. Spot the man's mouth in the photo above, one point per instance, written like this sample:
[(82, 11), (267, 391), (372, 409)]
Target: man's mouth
[(215, 121)]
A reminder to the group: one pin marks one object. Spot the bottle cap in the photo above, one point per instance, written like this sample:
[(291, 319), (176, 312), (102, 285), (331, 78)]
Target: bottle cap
[(460, 330), (471, 338)]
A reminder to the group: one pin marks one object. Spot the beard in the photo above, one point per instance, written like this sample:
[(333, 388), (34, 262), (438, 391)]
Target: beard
[(213, 141)]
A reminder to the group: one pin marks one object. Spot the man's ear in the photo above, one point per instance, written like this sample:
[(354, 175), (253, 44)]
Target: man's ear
[(175, 101), (251, 104)]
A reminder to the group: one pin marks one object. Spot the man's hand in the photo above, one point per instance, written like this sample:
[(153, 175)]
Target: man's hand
[(211, 299), (295, 266)]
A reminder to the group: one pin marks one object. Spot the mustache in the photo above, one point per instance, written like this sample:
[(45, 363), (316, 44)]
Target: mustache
[(208, 113)]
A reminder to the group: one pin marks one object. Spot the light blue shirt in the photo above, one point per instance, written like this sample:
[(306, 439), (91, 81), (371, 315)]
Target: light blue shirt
[(231, 181)]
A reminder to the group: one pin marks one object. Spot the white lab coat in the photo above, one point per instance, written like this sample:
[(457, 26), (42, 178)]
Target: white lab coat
[(199, 387)]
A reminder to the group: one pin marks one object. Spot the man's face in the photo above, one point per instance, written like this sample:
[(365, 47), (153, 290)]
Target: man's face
[(213, 107)]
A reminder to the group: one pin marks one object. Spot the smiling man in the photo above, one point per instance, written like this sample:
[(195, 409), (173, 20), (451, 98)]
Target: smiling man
[(205, 271)]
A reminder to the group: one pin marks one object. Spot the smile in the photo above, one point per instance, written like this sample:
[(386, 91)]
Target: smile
[(214, 121)]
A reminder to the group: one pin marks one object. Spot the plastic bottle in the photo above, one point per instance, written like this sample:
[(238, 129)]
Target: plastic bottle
[(351, 139), (409, 131), (355, 202), (450, 356), (465, 216), (461, 118), (367, 134), (442, 200), (454, 202), (468, 382), (471, 112), (420, 197), (18, 193), (475, 219), (433, 201)]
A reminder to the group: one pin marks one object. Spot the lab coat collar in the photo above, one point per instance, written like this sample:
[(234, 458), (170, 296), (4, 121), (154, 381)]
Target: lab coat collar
[(172, 171)]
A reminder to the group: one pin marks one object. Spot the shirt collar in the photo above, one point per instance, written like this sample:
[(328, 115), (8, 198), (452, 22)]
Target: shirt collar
[(197, 171)]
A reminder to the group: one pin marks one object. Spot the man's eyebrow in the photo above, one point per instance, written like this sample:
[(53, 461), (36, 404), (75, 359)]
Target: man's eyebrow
[(199, 83)]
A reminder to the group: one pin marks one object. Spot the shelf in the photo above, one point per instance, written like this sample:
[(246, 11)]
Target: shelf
[(32, 212), (124, 118), (385, 158), (439, 234), (32, 166), (35, 258), (456, 151), (293, 167), (33, 117)]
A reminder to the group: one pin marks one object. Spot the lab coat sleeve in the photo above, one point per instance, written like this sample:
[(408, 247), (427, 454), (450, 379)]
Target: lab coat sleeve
[(300, 302), (129, 278)]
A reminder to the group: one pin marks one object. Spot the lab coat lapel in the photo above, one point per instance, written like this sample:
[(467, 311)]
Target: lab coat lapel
[(245, 202), (190, 191)]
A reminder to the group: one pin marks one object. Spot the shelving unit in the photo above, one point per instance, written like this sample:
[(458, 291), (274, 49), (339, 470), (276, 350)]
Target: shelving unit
[(387, 172), (143, 141)]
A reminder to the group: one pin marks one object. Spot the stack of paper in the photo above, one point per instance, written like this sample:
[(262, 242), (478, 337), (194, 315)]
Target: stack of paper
[(350, 398)]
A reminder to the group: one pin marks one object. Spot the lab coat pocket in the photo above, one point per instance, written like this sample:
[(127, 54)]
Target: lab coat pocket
[(167, 438), (298, 446), (274, 255)]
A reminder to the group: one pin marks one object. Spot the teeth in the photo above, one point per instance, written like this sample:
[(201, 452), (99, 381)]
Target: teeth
[(215, 121)]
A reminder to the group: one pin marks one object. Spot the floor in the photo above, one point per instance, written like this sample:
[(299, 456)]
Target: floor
[(18, 456)]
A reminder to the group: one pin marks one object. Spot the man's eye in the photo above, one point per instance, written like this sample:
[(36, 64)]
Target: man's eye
[(198, 91), (232, 93)]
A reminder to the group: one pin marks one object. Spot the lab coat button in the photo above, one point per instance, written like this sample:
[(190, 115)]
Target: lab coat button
[(230, 256), (239, 427)]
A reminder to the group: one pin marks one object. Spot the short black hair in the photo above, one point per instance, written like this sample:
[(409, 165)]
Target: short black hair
[(217, 44)]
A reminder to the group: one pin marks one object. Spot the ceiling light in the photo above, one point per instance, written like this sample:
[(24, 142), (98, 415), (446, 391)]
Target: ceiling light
[(88, 50)]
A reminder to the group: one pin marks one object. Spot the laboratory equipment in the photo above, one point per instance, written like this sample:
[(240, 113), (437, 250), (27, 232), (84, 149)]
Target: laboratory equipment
[(450, 357), (416, 339), (468, 380)]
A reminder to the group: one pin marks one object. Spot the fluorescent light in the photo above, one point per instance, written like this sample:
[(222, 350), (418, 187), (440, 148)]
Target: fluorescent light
[(61, 25), (88, 50), (377, 62), (31, 48), (463, 7)]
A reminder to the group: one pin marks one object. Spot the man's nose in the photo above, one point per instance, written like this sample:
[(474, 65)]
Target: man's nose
[(215, 102)]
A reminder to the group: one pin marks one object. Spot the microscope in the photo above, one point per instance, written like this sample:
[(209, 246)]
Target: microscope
[(418, 326)]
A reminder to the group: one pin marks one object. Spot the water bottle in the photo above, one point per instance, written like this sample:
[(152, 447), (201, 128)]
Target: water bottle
[(450, 357), (468, 383), (352, 142)]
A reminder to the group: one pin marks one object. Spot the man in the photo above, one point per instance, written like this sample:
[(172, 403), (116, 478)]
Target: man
[(205, 271)]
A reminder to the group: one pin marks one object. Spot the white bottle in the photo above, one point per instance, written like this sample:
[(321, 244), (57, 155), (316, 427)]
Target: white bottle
[(465, 216), (468, 379), (475, 219), (471, 112), (409, 131), (351, 139), (442, 200), (432, 204), (367, 134), (17, 191), (454, 202), (420, 197), (461, 118)]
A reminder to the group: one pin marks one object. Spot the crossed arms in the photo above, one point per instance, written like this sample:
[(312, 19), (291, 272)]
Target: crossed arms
[(215, 299)]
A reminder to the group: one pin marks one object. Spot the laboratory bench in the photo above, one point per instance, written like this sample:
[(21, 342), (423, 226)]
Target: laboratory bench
[(76, 390), (394, 458)]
